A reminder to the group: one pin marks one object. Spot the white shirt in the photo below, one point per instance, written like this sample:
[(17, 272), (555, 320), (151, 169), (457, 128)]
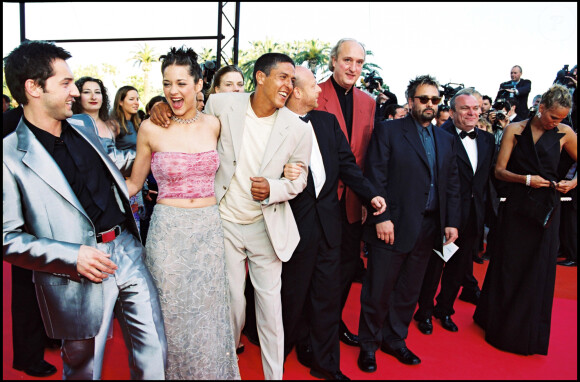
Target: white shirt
[(316, 164), (238, 205), (470, 146)]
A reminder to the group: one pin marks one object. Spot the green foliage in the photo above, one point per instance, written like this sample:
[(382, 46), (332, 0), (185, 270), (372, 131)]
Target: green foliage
[(314, 53), (144, 58)]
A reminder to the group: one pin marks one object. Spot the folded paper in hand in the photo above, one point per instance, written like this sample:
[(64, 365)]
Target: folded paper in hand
[(448, 251)]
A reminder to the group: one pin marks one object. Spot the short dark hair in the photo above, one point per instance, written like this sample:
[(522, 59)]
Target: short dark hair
[(267, 61), (31, 60), (441, 109), (501, 104), (486, 97), (153, 101), (182, 57), (418, 81), (104, 110), (391, 110)]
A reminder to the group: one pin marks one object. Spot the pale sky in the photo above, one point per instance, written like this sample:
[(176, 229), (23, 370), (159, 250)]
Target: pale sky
[(471, 43)]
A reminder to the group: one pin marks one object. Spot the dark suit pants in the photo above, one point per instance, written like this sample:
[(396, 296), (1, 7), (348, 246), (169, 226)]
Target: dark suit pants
[(391, 288), (28, 334), (569, 227), (311, 300), (349, 253), (451, 274)]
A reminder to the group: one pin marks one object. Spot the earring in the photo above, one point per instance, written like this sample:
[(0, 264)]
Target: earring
[(539, 115)]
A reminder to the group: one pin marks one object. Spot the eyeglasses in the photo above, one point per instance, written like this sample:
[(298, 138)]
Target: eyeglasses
[(443, 107), (425, 99)]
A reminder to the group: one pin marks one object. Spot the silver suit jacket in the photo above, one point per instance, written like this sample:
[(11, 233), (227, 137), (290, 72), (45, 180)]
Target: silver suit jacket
[(44, 226)]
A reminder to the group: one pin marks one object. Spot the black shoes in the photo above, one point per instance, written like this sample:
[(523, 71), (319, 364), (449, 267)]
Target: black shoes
[(367, 361), (304, 355), (240, 348), (426, 326), (477, 259), (568, 263), (404, 355), (448, 323), (252, 337), (41, 369), (471, 297), (325, 374), (346, 336)]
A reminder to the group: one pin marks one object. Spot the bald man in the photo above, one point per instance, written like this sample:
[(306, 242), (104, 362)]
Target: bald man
[(311, 301)]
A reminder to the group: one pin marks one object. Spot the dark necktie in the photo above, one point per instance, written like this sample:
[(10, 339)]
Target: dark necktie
[(306, 118), (472, 134)]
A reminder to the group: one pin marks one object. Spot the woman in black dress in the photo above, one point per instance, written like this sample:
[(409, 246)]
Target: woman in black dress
[(515, 306)]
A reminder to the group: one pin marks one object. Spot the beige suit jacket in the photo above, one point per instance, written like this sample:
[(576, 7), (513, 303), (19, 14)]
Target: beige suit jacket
[(290, 142)]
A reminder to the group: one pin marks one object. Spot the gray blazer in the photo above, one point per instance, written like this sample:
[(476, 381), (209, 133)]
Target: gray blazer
[(290, 142), (44, 226)]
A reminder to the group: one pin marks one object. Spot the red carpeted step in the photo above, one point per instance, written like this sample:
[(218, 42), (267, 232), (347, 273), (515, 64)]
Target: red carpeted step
[(444, 355)]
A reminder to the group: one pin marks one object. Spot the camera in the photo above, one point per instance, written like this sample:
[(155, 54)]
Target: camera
[(503, 90), (208, 71), (373, 81), (449, 91), (561, 77), (500, 115)]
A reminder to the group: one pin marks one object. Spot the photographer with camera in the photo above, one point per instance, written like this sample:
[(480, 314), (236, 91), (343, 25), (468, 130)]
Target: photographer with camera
[(516, 91)]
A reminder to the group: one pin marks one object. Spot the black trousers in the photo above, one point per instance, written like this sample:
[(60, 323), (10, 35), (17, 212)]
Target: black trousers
[(569, 227), (350, 251), (311, 300), (28, 334), (391, 288), (451, 274)]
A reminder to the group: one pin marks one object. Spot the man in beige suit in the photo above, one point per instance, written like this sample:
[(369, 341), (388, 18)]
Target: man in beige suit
[(258, 136)]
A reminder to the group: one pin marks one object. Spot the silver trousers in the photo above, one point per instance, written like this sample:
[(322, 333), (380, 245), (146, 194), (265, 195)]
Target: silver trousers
[(132, 296)]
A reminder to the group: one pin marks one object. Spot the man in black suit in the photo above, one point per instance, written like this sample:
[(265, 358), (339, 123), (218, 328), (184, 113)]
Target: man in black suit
[(311, 301), (517, 90), (475, 151), (412, 163)]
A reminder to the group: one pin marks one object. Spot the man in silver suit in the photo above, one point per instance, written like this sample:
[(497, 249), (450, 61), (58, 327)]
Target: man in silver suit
[(67, 217)]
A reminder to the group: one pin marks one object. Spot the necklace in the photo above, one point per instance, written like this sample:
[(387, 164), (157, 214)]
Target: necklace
[(186, 121)]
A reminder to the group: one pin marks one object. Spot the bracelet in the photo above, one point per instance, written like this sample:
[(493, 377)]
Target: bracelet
[(528, 180)]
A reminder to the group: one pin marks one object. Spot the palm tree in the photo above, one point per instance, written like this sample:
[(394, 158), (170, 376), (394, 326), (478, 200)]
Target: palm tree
[(145, 57), (314, 52), (248, 58), (206, 55)]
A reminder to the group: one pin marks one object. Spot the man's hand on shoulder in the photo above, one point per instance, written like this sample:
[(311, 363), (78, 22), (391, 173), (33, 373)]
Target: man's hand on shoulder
[(161, 114)]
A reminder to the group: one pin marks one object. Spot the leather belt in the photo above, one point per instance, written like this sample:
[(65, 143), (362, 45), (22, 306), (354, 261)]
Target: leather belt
[(110, 235)]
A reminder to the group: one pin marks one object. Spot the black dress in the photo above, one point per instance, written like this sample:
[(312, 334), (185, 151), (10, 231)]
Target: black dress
[(515, 306)]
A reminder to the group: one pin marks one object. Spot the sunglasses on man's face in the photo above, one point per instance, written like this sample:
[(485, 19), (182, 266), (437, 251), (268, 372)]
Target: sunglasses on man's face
[(425, 99)]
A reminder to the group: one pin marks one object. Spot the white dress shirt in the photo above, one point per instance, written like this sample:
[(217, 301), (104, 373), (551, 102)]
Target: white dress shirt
[(471, 148)]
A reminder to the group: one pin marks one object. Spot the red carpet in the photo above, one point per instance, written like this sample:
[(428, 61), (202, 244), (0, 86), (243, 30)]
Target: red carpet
[(444, 355)]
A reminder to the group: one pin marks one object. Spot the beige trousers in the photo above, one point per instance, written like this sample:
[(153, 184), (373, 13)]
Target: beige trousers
[(250, 243)]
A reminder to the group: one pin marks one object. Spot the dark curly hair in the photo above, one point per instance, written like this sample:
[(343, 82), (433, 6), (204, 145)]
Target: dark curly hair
[(418, 81), (104, 110), (183, 57), (31, 60)]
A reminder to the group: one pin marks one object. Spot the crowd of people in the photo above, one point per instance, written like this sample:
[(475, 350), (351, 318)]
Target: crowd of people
[(223, 212)]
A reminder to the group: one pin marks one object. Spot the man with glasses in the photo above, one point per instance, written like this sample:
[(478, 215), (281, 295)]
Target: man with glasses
[(412, 164)]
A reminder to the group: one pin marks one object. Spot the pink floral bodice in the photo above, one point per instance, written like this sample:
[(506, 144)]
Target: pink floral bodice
[(185, 175)]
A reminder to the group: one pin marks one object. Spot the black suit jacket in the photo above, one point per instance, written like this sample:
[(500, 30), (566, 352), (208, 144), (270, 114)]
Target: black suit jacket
[(397, 166), (339, 163), (524, 87), (473, 187)]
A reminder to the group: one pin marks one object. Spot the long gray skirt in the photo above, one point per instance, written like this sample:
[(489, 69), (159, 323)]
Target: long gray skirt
[(185, 255)]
